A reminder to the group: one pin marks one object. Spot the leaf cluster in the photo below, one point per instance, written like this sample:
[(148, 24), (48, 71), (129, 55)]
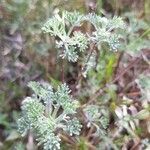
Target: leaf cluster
[(47, 113), (72, 42)]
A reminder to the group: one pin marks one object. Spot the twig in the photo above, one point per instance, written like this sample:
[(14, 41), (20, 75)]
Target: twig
[(134, 93)]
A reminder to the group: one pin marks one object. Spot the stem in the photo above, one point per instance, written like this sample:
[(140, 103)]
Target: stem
[(62, 72), (101, 91), (30, 144), (55, 112), (84, 67), (70, 30), (48, 108), (60, 117)]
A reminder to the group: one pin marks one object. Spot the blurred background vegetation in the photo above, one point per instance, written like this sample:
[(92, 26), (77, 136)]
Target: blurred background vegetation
[(27, 54)]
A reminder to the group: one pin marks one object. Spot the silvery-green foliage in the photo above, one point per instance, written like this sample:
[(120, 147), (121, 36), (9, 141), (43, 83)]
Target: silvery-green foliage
[(92, 113), (45, 124), (134, 41), (114, 42), (98, 117), (73, 18), (115, 22), (63, 99), (135, 24), (80, 40), (144, 81), (56, 26), (51, 142), (32, 109), (43, 90), (73, 127), (46, 112), (77, 43), (144, 84), (72, 42), (19, 146), (23, 126), (105, 30), (105, 23)]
